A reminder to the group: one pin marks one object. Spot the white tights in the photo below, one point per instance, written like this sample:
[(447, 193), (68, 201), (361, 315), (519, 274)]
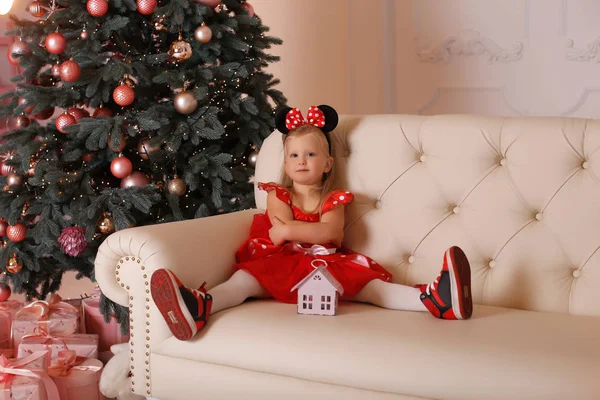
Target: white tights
[(242, 286)]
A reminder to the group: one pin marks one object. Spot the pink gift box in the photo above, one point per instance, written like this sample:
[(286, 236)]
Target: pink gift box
[(109, 333), (18, 381), (80, 382), (11, 307), (54, 318), (5, 321), (84, 345)]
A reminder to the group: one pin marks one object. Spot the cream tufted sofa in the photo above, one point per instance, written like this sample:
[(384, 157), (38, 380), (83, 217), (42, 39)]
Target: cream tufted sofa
[(521, 196)]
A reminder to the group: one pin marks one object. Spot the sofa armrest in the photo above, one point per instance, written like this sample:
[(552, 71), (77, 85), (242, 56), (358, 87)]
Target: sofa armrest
[(196, 250)]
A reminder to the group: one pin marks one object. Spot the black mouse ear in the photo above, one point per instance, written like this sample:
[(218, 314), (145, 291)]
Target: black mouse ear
[(331, 118), (280, 117)]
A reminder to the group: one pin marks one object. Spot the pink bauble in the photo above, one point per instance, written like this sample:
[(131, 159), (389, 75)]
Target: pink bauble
[(146, 7), (249, 9), (135, 179), (121, 167), (97, 8), (209, 3), (44, 114), (5, 292), (17, 232), (56, 43), (6, 169)]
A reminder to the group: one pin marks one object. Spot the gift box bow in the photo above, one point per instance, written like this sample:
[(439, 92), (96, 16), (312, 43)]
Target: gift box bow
[(41, 310), (69, 360), (10, 369)]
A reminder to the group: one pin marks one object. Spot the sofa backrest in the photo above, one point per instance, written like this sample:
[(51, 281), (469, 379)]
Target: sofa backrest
[(521, 196)]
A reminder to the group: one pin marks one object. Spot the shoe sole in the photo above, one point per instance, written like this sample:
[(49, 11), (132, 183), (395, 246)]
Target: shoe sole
[(166, 295), (460, 283)]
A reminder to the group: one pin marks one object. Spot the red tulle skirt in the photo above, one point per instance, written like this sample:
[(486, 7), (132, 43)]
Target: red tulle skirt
[(279, 268)]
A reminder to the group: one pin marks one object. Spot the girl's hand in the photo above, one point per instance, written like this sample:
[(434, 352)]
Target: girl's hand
[(277, 232)]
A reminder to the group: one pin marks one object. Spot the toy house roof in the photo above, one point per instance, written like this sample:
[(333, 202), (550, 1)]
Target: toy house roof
[(334, 282)]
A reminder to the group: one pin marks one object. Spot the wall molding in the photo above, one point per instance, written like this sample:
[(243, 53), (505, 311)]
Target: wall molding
[(590, 54), (583, 97), (439, 91), (470, 43)]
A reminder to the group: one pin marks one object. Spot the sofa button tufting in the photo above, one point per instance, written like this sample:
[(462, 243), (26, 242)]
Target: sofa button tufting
[(377, 204), (411, 259), (585, 165), (347, 153), (423, 158), (576, 273), (539, 216), (456, 210), (503, 162), (492, 263)]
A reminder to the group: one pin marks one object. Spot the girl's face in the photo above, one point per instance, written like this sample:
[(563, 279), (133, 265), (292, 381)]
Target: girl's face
[(306, 159)]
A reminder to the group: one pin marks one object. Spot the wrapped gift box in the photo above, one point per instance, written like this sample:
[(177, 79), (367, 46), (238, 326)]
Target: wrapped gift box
[(18, 381), (5, 323), (109, 333), (55, 318), (11, 307), (84, 345), (76, 379)]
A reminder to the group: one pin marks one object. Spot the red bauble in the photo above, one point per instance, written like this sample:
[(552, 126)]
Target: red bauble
[(10, 58), (123, 95), (249, 9), (5, 292), (121, 167), (121, 146), (209, 3), (135, 179), (3, 226), (36, 9), (63, 121), (78, 113), (97, 8), (44, 114), (70, 71), (102, 112), (27, 109), (17, 232), (146, 7), (56, 43)]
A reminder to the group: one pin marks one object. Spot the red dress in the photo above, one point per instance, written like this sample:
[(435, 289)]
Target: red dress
[(279, 268)]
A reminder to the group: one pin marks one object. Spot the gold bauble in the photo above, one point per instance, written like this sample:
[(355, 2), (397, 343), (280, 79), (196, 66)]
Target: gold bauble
[(14, 179), (252, 157), (13, 265), (177, 186), (185, 102), (203, 34), (106, 224), (180, 50), (146, 150)]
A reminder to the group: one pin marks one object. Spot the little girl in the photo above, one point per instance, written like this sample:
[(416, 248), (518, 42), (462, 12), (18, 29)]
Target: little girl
[(304, 222)]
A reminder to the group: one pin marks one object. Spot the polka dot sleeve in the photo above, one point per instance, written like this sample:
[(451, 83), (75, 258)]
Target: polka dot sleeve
[(281, 193), (337, 197)]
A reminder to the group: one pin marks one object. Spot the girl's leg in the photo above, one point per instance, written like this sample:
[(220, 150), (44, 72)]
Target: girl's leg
[(235, 291), (390, 295)]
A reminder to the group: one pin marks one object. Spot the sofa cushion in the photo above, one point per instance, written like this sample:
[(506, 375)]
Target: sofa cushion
[(498, 354)]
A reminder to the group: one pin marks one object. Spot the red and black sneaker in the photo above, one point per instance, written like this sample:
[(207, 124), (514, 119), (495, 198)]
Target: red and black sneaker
[(449, 296), (185, 310)]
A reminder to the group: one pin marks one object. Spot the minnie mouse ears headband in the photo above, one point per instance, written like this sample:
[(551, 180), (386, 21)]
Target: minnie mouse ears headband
[(323, 117)]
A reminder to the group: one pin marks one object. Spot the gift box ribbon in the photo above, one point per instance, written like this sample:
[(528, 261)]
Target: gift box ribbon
[(41, 310), (68, 360), (10, 369)]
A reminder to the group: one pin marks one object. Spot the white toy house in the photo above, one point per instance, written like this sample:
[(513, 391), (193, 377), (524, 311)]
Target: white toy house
[(318, 293)]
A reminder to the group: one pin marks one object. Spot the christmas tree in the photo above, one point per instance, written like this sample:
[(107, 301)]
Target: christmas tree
[(126, 113)]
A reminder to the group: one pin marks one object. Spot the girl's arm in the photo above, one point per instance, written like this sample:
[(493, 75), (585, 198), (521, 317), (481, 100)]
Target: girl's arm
[(276, 208), (329, 230)]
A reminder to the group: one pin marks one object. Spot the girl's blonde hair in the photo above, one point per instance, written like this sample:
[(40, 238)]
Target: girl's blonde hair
[(327, 183)]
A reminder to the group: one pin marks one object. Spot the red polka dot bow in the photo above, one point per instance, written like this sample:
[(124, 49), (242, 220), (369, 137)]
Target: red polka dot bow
[(295, 119)]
